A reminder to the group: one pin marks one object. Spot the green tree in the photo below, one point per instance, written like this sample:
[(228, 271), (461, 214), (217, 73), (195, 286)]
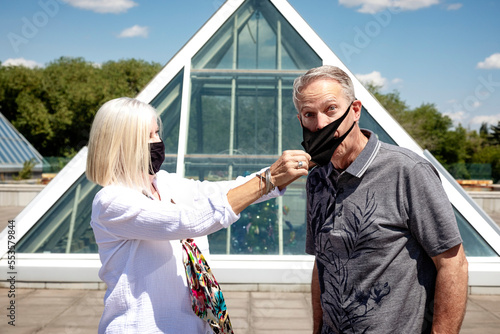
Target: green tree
[(489, 154), (494, 136), (54, 107), (392, 103), (428, 126), (455, 147), (483, 130), (127, 77), (13, 81)]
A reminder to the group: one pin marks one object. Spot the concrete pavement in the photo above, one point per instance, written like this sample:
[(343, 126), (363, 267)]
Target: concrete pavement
[(252, 309)]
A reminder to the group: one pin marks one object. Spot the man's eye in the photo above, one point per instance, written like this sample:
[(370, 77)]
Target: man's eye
[(331, 108)]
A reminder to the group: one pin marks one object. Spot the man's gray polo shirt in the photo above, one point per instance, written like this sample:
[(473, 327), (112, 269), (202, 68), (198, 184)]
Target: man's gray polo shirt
[(373, 229)]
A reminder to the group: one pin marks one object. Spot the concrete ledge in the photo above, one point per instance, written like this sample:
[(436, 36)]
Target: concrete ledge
[(18, 194), (484, 290), (489, 201), (56, 285)]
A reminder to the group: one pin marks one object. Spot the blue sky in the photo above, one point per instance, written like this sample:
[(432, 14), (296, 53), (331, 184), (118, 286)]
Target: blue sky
[(445, 52)]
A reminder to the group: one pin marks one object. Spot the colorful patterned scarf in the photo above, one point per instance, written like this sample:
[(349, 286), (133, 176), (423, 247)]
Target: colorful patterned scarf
[(206, 296)]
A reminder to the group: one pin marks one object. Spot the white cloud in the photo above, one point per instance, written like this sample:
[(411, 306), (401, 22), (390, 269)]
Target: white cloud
[(375, 6), (135, 31), (374, 78), (490, 119), (492, 62), (396, 81), (454, 6), (103, 6), (21, 62), (457, 117)]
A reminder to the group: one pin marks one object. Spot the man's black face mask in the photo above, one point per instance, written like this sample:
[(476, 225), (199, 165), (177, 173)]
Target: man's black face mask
[(322, 143)]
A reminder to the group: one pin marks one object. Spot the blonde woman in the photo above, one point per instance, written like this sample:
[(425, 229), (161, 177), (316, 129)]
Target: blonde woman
[(141, 214)]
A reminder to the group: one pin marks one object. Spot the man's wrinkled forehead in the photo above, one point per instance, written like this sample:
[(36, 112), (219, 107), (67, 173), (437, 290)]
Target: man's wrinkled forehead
[(320, 91)]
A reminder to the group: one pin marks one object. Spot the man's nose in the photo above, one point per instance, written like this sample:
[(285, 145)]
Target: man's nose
[(322, 121)]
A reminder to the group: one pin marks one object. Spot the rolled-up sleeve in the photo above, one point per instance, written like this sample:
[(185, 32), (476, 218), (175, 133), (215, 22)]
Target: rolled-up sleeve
[(128, 214)]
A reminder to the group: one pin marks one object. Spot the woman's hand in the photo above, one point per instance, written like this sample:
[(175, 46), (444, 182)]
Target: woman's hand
[(289, 167)]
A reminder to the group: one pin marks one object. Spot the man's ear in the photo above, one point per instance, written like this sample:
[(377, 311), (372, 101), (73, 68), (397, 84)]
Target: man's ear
[(357, 106), (300, 121)]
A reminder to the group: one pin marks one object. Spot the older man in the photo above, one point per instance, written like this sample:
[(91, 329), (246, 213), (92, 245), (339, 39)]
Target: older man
[(389, 256)]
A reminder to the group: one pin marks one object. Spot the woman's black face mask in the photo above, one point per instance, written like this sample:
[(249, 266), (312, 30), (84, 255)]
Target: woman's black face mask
[(322, 143), (157, 152)]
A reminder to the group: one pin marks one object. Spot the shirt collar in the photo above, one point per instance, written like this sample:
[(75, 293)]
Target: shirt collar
[(359, 166)]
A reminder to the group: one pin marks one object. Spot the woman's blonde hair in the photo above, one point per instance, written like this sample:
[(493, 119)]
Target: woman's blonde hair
[(118, 150)]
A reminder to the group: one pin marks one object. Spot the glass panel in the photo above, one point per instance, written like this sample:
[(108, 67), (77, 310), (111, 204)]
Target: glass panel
[(257, 231), (256, 44), (168, 105), (209, 122), (474, 244), (294, 218), (265, 40), (255, 111), (65, 228), (367, 122), (292, 131), (218, 52)]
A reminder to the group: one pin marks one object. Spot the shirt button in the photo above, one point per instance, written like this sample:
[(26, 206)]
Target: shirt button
[(341, 190), (339, 214)]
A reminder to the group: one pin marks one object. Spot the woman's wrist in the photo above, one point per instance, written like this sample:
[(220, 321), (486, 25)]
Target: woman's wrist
[(266, 184)]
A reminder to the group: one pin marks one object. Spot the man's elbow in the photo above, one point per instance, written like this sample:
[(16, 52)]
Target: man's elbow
[(462, 263), (464, 267)]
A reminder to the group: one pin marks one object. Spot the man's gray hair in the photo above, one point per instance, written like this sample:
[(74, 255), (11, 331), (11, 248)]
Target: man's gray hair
[(323, 72)]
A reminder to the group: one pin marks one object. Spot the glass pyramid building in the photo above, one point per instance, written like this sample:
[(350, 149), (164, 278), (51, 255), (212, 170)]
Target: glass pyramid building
[(15, 150), (225, 100)]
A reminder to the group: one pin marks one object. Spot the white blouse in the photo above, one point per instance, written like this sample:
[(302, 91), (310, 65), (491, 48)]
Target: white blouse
[(141, 255)]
